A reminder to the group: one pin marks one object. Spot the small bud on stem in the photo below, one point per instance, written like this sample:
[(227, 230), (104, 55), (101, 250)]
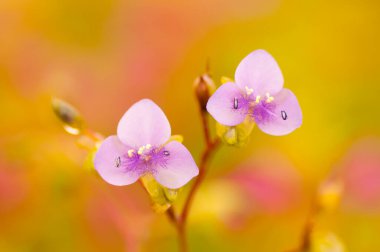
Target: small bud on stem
[(203, 86)]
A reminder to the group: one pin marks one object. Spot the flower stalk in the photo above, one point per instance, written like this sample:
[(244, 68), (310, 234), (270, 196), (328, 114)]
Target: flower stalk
[(202, 93), (203, 167)]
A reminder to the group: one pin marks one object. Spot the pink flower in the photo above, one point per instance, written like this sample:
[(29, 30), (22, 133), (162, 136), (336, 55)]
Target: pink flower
[(258, 94), (142, 147)]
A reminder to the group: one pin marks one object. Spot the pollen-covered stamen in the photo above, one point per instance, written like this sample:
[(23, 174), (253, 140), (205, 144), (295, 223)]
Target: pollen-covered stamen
[(144, 152), (258, 99), (141, 150), (248, 90), (269, 98), (131, 152)]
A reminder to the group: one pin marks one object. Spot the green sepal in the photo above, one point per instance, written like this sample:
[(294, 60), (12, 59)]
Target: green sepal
[(162, 197), (235, 135)]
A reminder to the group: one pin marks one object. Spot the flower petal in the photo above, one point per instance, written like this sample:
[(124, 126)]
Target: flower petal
[(179, 168), (285, 116), (106, 162), (259, 71), (144, 123), (227, 105)]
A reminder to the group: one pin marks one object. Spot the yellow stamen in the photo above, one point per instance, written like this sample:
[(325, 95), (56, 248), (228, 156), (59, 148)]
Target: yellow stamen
[(269, 97), (148, 146), (130, 152), (258, 99), (141, 150), (248, 90)]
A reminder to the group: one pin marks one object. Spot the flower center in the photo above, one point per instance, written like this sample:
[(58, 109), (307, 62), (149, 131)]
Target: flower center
[(256, 98), (263, 112), (144, 159), (144, 152), (260, 108)]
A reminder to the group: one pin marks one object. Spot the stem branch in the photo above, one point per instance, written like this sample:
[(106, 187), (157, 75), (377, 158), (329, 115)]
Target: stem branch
[(210, 147)]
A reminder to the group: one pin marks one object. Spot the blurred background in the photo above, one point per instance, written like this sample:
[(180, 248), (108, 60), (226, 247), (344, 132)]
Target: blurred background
[(104, 55)]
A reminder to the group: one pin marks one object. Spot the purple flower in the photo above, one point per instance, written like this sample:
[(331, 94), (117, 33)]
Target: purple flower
[(257, 94), (142, 147)]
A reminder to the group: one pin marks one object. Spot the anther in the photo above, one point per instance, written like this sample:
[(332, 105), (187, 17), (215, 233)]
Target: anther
[(236, 103), (269, 97), (284, 115), (258, 99), (130, 152), (248, 90), (141, 150)]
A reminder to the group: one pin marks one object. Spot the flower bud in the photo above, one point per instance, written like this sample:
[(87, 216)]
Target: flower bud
[(203, 86), (235, 135), (69, 116)]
